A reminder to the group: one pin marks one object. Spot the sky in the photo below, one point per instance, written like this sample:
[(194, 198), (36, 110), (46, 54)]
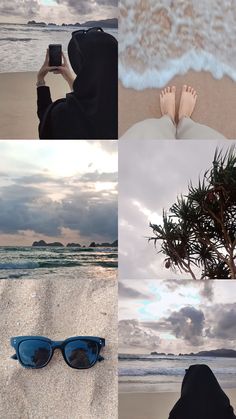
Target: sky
[(151, 176), (58, 191), (175, 316), (57, 11)]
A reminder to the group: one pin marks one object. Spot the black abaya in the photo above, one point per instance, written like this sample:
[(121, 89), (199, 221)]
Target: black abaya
[(91, 110), (201, 397)]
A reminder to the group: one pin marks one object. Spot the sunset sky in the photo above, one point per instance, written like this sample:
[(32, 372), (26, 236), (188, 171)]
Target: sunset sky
[(58, 190), (176, 316), (57, 11)]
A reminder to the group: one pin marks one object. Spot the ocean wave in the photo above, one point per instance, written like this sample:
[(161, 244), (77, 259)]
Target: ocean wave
[(159, 40), (38, 265), (143, 372), (17, 39), (157, 78)]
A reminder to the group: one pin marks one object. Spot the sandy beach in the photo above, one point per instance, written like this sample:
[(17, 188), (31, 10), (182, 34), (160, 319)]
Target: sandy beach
[(153, 405), (215, 108), (18, 104), (58, 309)]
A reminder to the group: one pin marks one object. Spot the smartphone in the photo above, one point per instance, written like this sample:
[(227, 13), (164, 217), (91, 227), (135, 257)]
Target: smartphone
[(55, 55)]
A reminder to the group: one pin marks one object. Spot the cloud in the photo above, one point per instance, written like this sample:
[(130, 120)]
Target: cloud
[(24, 8), (82, 7), (133, 334), (188, 324), (128, 292), (85, 7), (223, 325), (87, 211)]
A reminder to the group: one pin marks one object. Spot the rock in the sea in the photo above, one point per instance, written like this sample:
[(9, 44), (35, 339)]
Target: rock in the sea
[(42, 243), (73, 245)]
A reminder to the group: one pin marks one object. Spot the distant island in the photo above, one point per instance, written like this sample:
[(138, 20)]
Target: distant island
[(42, 243), (106, 23), (224, 353)]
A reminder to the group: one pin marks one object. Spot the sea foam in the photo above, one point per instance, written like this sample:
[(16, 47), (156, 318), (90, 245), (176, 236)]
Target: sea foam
[(159, 40)]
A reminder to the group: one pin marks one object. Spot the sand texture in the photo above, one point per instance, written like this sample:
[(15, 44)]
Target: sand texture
[(58, 309), (18, 103), (215, 107), (153, 405)]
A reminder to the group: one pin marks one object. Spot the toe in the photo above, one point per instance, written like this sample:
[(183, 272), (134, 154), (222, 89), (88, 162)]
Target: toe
[(168, 89), (189, 89), (185, 88), (173, 89)]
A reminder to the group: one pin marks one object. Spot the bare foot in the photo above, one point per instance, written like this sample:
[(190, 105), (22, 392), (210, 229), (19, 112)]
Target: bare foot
[(187, 102), (167, 101)]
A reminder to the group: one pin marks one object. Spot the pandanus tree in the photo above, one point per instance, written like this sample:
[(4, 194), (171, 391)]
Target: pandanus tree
[(199, 230)]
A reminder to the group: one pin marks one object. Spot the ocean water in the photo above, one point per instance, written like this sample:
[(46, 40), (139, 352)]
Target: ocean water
[(159, 40), (23, 47), (146, 373), (37, 262)]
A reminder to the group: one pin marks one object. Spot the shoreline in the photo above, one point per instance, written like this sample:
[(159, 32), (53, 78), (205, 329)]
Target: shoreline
[(215, 105)]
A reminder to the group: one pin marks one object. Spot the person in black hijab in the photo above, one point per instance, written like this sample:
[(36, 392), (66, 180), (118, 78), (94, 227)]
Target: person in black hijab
[(90, 111), (201, 397)]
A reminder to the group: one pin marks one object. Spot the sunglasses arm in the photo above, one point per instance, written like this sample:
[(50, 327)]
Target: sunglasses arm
[(100, 358), (14, 356)]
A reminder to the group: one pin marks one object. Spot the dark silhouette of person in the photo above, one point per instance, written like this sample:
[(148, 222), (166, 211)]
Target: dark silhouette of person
[(201, 397), (90, 111)]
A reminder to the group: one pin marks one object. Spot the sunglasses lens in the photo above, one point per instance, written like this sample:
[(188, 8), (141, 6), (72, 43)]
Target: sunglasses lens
[(34, 353), (81, 353)]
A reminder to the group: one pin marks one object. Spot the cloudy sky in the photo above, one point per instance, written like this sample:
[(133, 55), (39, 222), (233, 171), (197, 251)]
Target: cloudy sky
[(58, 190), (175, 316), (151, 175), (57, 11)]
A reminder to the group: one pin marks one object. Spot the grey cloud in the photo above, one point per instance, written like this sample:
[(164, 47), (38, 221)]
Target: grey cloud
[(29, 208), (133, 334), (24, 8), (224, 322), (99, 177), (126, 292), (113, 3), (188, 324), (207, 290), (82, 7)]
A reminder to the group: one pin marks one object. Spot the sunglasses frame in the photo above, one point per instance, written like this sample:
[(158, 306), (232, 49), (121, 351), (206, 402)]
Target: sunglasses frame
[(61, 344), (94, 29)]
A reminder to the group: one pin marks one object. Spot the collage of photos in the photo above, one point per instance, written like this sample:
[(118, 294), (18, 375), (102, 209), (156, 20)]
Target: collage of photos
[(117, 233)]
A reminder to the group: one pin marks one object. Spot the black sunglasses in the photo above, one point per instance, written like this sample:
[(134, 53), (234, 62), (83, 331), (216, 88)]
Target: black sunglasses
[(95, 29), (80, 352)]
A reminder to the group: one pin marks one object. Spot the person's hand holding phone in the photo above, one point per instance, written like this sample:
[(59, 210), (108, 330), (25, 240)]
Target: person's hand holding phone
[(44, 70), (65, 71)]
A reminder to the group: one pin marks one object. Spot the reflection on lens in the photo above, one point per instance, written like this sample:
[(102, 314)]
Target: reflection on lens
[(81, 354), (34, 353)]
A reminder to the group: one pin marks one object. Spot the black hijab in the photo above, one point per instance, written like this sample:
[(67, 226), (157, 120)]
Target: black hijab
[(201, 397), (91, 110)]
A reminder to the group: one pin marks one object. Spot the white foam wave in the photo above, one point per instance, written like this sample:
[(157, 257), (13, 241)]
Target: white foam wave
[(192, 60), (159, 40)]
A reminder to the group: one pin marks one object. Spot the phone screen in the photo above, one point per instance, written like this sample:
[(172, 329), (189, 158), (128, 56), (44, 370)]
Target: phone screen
[(55, 51)]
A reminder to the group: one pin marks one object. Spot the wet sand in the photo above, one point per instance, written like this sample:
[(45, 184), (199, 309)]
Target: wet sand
[(153, 405), (215, 107), (58, 309), (18, 103)]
